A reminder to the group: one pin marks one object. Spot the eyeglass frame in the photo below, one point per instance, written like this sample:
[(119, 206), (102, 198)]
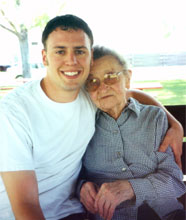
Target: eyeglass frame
[(115, 74)]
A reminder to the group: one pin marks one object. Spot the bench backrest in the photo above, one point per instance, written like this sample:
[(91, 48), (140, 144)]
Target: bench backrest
[(179, 112)]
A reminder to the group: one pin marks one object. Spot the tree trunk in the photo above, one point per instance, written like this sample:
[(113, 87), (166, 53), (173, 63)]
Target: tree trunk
[(24, 47)]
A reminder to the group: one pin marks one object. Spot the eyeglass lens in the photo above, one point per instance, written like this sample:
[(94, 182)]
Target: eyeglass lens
[(93, 84)]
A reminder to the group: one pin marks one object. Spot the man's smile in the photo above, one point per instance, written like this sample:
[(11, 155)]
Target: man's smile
[(70, 73)]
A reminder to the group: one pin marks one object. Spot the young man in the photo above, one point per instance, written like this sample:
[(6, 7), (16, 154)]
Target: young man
[(45, 127)]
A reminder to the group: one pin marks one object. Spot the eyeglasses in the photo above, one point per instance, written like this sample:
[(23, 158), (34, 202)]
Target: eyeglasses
[(93, 83)]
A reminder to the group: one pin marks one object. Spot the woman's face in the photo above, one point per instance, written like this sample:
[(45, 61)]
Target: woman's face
[(108, 98)]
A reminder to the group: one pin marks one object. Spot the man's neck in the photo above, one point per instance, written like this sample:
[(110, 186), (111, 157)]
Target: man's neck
[(58, 95)]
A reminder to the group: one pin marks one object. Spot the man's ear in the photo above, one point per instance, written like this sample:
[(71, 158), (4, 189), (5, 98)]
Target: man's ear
[(44, 57), (128, 79)]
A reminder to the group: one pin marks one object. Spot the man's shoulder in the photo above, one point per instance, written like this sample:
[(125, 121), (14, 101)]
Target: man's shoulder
[(86, 98), (20, 95)]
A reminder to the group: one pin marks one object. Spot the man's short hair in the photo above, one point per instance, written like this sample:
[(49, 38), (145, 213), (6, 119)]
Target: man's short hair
[(66, 22)]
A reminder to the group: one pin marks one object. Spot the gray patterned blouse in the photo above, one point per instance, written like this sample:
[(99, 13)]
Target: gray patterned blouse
[(127, 148)]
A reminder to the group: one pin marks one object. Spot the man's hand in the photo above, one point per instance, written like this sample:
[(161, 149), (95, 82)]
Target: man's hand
[(87, 196), (174, 139), (111, 195)]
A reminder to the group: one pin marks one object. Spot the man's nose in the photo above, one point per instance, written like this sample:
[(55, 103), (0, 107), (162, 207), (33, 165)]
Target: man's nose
[(71, 59)]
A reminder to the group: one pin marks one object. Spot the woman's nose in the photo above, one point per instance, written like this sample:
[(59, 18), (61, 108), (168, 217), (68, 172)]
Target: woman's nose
[(103, 86)]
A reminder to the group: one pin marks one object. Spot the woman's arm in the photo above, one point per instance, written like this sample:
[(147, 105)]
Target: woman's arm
[(174, 135), (166, 181)]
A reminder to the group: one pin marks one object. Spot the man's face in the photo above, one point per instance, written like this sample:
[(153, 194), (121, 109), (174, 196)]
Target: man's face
[(68, 57)]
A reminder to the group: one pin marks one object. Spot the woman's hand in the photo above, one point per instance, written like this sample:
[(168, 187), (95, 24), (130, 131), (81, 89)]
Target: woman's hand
[(174, 139), (87, 196), (111, 195)]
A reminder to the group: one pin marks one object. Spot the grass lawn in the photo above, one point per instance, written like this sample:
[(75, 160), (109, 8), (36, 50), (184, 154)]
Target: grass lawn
[(172, 93)]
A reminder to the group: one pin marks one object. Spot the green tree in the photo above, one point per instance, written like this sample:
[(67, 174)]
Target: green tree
[(18, 17)]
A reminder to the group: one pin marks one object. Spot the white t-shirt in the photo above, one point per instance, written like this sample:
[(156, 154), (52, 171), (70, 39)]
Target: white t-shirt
[(50, 138)]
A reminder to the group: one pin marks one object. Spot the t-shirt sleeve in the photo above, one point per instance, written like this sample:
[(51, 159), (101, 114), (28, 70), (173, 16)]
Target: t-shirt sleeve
[(15, 142)]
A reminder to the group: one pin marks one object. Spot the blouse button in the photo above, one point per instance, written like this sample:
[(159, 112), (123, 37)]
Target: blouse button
[(123, 169), (118, 154)]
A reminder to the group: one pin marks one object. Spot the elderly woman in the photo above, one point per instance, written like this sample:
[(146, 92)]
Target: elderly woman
[(122, 165)]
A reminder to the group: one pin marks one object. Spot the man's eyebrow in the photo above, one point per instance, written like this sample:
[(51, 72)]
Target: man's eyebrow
[(81, 47), (59, 47)]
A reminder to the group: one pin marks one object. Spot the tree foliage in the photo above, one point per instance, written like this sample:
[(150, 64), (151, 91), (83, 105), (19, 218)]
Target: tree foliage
[(19, 16)]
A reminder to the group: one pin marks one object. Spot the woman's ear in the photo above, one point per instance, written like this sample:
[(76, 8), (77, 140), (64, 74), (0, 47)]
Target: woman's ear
[(92, 61), (128, 79)]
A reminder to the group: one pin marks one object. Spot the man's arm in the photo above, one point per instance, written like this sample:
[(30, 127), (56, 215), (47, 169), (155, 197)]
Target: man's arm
[(174, 135), (22, 190), (144, 98), (167, 179)]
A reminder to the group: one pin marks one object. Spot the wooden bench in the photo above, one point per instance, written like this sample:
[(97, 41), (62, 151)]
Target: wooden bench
[(179, 112), (142, 86)]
